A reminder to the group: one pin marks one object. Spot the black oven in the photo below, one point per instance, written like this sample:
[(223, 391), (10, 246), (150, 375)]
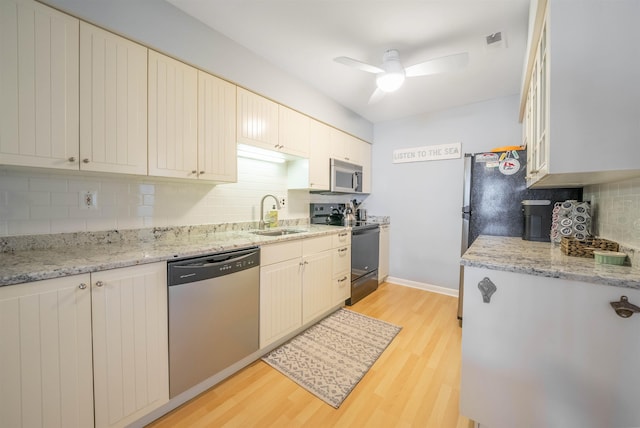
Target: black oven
[(365, 244)]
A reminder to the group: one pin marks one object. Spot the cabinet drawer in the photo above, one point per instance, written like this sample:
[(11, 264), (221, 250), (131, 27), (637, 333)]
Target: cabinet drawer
[(316, 245), (342, 238), (341, 260), (274, 253)]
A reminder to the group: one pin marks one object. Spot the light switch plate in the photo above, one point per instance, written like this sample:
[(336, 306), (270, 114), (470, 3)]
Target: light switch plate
[(88, 199)]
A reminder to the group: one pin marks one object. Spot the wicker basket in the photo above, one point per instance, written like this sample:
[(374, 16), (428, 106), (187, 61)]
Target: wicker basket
[(575, 248)]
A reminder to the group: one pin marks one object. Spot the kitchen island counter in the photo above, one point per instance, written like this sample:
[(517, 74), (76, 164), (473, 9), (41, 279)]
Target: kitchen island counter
[(93, 254), (513, 254)]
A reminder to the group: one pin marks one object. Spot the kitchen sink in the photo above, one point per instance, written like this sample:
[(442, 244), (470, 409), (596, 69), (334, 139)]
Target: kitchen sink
[(279, 232)]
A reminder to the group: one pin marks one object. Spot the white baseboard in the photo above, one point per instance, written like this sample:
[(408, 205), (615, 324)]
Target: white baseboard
[(423, 286)]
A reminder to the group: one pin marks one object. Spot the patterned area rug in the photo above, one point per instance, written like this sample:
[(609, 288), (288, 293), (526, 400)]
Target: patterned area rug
[(329, 358)]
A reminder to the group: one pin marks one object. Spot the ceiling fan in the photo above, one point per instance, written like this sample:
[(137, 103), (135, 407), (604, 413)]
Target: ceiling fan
[(391, 74)]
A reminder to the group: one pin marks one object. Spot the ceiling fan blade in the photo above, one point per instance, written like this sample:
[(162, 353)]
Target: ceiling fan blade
[(377, 95), (438, 65), (358, 64)]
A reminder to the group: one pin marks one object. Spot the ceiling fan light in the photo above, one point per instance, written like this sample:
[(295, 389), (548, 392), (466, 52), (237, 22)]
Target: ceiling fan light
[(390, 81)]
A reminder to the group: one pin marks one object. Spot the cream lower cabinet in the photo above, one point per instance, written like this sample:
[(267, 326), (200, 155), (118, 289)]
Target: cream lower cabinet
[(317, 262), (341, 268), (296, 285), (130, 342), (383, 266), (46, 377), (546, 352), (280, 290), (62, 339)]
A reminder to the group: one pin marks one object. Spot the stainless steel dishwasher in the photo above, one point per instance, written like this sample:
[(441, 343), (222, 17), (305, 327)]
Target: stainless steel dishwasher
[(214, 306)]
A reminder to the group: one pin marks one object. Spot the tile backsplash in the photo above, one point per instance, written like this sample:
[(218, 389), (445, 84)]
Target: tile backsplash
[(616, 210), (41, 202)]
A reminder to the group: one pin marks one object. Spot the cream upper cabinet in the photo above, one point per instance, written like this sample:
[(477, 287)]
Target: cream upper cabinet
[(294, 132), (312, 173), (582, 93), (45, 354), (217, 148), (130, 342), (173, 107), (257, 120), (113, 103), (319, 155), (39, 90), (365, 160)]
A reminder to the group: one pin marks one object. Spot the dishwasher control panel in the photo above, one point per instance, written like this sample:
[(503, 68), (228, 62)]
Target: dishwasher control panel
[(212, 266)]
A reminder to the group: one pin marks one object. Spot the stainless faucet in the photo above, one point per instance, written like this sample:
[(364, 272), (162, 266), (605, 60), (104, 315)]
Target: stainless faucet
[(261, 223)]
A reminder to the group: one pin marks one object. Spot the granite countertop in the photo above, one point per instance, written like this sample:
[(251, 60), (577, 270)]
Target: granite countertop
[(33, 264), (545, 259)]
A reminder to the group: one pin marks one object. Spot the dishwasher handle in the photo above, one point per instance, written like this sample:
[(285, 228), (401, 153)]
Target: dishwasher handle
[(211, 266), (212, 261)]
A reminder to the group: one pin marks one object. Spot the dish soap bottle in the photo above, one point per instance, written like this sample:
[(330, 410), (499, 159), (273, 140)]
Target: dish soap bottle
[(272, 217)]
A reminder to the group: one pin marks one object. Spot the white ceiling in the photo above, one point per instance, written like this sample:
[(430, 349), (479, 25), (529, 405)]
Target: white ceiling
[(302, 37)]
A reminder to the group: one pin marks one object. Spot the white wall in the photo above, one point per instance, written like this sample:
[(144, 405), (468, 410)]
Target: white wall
[(161, 26), (424, 198)]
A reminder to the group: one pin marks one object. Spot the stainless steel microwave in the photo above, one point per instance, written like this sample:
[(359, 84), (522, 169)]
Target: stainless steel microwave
[(345, 177)]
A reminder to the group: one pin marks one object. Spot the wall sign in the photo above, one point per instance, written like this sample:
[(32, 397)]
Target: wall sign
[(428, 153)]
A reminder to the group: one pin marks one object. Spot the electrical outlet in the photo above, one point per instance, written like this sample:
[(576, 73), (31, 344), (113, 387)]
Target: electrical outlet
[(88, 199), (283, 201)]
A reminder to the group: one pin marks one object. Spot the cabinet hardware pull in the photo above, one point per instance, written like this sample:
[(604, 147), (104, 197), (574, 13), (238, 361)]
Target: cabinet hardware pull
[(99, 283), (201, 172), (72, 159), (85, 160), (487, 288), (82, 286), (343, 279), (194, 172), (342, 235), (342, 250), (623, 308)]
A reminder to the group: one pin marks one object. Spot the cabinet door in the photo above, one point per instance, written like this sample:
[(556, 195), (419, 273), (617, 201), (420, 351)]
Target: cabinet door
[(217, 150), (280, 300), (257, 120), (319, 149), (293, 129), (113, 103), (317, 285), (383, 267), (365, 160), (45, 357), (130, 345), (341, 289), (548, 352), (173, 104), (38, 86)]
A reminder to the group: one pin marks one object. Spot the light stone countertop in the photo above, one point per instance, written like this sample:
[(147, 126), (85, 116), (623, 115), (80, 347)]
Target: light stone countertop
[(545, 259), (27, 265)]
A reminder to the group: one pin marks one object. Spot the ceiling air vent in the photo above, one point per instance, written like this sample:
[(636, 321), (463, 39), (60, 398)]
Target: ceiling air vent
[(494, 38), (495, 41)]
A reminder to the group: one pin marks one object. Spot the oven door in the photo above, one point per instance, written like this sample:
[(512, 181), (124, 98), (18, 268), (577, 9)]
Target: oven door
[(364, 251)]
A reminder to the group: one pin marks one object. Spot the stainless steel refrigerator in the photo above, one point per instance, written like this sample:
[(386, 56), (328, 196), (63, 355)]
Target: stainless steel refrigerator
[(494, 187)]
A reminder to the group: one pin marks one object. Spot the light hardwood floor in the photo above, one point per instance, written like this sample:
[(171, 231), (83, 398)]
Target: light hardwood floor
[(414, 383)]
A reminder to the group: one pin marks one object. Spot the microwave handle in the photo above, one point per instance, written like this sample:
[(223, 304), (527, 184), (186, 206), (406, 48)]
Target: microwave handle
[(354, 181)]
